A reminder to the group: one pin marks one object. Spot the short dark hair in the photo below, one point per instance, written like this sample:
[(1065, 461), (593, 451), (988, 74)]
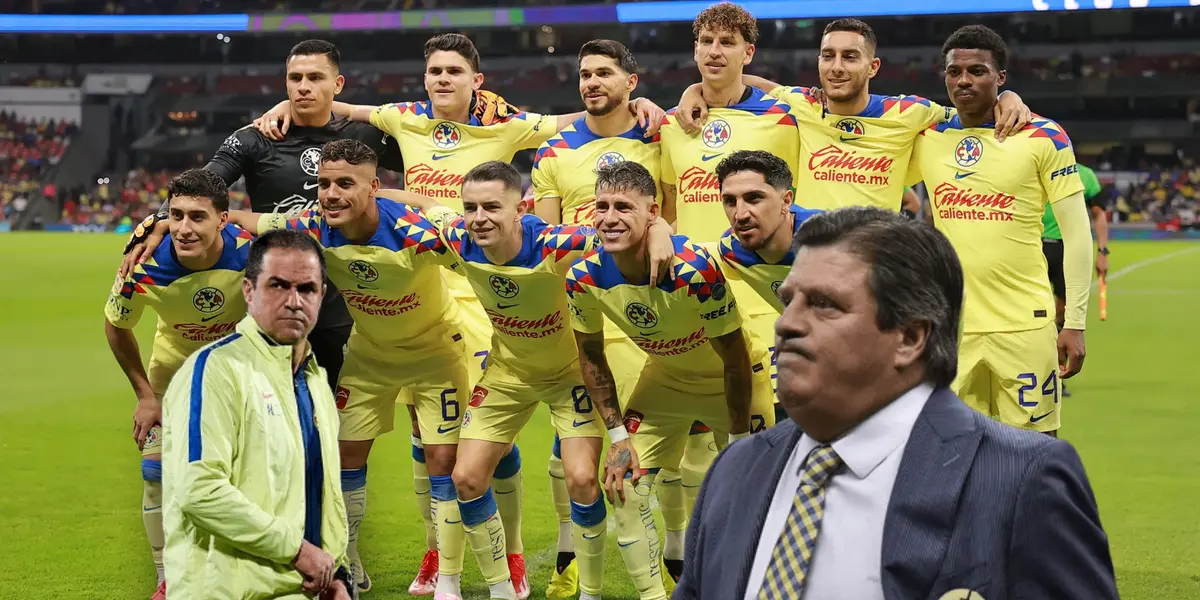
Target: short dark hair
[(350, 151), (626, 175), (853, 26), (200, 183), (279, 239), (727, 16), (495, 170), (915, 275), (978, 37), (454, 42), (311, 47), (612, 49), (773, 169)]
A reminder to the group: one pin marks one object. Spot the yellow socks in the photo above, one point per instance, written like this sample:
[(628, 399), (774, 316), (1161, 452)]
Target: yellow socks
[(450, 535), (423, 491), (590, 532), (152, 517), (637, 539), (506, 484)]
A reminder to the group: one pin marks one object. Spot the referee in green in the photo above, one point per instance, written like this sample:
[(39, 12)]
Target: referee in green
[(252, 495), (1052, 245)]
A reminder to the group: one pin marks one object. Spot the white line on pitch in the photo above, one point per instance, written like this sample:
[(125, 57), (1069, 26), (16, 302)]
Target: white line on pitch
[(1123, 271)]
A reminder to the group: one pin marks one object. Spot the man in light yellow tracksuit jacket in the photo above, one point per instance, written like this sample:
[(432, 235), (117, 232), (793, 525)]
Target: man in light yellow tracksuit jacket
[(252, 500)]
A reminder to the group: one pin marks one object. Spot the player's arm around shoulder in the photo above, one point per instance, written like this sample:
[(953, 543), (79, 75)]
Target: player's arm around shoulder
[(1058, 548)]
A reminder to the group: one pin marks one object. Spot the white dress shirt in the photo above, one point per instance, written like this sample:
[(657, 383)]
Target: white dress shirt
[(846, 562)]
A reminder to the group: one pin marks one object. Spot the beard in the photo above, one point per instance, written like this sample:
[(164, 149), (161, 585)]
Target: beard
[(609, 105)]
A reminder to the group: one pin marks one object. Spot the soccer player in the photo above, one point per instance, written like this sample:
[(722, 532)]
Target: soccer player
[(194, 283), (741, 118), (564, 186), (441, 140), (756, 191), (988, 198), (701, 366), (1053, 249), (855, 146), (517, 263)]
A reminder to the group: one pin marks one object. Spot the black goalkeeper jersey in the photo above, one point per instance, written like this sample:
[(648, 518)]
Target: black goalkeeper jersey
[(281, 177)]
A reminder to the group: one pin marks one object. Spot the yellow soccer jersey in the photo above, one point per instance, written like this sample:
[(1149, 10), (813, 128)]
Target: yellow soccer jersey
[(437, 153), (393, 283), (859, 160), (524, 298), (758, 122), (988, 199), (565, 166), (671, 322), (194, 307), (763, 277)]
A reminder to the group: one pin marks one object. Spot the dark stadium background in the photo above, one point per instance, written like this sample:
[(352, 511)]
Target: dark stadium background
[(92, 126)]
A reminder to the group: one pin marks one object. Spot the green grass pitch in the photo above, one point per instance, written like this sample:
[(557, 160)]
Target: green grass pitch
[(69, 522)]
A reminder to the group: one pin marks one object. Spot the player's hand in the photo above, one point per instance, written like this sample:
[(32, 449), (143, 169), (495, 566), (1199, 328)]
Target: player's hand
[(692, 112), (1071, 352), (649, 115), (336, 591), (1011, 115), (275, 122), (1101, 264), (316, 565), (139, 232), (146, 416), (622, 459), (662, 252), (143, 250), (818, 95), (490, 108)]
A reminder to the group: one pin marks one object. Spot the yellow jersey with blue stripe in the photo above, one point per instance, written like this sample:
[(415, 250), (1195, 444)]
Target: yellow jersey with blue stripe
[(524, 297), (193, 307), (438, 153), (392, 283), (689, 162), (565, 166), (763, 277), (671, 322), (988, 198), (857, 160)]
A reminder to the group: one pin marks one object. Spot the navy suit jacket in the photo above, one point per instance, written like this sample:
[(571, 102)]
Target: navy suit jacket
[(977, 505)]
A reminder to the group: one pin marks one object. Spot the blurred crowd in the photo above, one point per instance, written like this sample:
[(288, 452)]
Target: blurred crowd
[(1170, 198), (120, 203), (29, 149)]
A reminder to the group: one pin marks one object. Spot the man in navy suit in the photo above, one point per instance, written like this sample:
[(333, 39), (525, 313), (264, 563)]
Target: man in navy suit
[(883, 484)]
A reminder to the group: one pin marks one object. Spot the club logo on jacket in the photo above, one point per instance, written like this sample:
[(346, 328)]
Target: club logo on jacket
[(310, 160)]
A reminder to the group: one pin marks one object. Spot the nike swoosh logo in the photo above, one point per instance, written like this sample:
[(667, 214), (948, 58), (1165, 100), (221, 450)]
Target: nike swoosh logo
[(708, 157), (366, 287), (502, 306), (144, 509), (847, 139), (590, 537), (442, 429), (441, 156), (503, 493), (207, 319), (310, 186), (581, 423), (958, 175), (650, 333), (626, 545), (453, 522), (1036, 419)]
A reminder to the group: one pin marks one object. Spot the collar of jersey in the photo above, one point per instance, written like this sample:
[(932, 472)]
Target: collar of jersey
[(747, 257), (386, 234), (584, 134), (425, 108), (610, 276), (529, 257), (258, 338), (956, 123)]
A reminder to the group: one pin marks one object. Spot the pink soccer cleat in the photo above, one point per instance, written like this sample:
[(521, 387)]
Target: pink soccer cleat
[(427, 577), (161, 592), (516, 571)]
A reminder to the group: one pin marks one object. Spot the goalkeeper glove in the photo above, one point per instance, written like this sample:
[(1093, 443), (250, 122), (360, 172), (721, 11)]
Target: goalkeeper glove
[(489, 108)]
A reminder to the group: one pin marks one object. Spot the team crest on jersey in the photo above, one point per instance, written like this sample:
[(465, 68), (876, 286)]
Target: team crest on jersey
[(609, 158), (775, 287), (208, 300), (363, 271), (151, 437), (640, 315), (851, 126), (446, 135), (716, 133), (310, 160), (503, 286), (969, 151)]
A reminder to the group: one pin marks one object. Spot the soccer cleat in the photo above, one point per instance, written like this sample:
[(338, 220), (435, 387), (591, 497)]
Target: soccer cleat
[(161, 592), (516, 572), (669, 577), (362, 581), (564, 585), (1065, 393), (427, 578)]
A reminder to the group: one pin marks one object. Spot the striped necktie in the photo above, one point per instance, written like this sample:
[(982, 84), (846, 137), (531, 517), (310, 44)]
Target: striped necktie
[(788, 568)]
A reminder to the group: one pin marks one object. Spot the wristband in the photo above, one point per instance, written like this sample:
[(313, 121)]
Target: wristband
[(343, 575), (1103, 250), (908, 213), (618, 434)]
